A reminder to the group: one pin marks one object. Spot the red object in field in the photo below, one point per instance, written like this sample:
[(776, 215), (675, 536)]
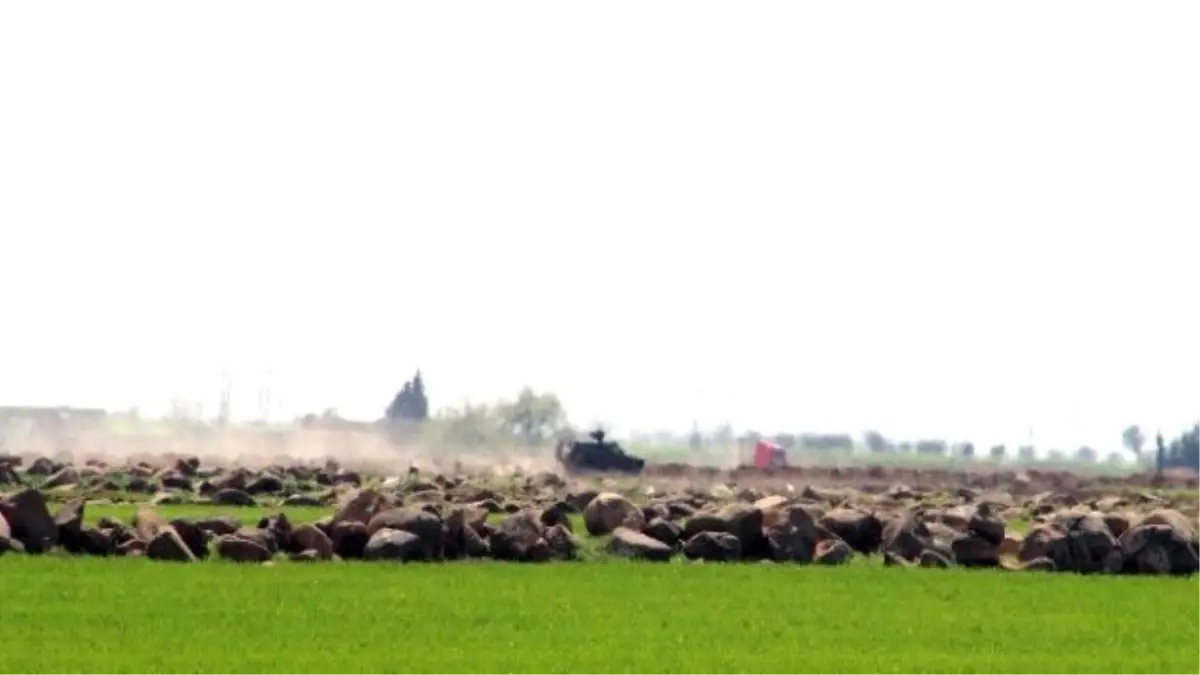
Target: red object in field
[(767, 455)]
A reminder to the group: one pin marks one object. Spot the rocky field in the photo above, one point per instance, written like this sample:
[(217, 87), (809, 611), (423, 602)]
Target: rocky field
[(171, 565), (1017, 521)]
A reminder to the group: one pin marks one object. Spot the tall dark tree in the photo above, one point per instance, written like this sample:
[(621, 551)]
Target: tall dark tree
[(1182, 452), (411, 403), (420, 401)]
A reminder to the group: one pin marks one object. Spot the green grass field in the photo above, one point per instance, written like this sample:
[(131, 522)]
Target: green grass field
[(246, 515), (134, 615)]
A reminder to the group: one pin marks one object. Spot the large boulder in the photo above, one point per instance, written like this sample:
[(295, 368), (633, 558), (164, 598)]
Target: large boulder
[(167, 545), (746, 523), (30, 521), (349, 538), (713, 546), (193, 537), (69, 521), (1158, 548), (973, 550), (233, 497), (790, 532), (704, 522), (461, 538), (1173, 518), (608, 511), (218, 525), (1075, 543), (265, 483), (633, 544), (519, 538), (422, 523), (65, 476), (360, 506), (235, 548), (394, 545), (663, 530), (986, 525), (309, 537), (97, 542), (172, 479), (280, 529), (979, 545), (832, 552), (262, 537), (562, 543), (905, 536), (862, 530)]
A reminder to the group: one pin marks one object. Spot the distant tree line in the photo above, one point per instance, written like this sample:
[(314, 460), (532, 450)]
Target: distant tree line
[(533, 418), (1179, 452), (1183, 451), (530, 417)]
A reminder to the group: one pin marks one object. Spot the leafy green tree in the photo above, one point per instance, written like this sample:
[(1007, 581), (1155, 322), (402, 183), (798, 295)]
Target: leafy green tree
[(469, 425), (533, 417), (1133, 439), (997, 453)]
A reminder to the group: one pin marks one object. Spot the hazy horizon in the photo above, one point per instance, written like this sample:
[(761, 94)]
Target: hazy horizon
[(759, 221)]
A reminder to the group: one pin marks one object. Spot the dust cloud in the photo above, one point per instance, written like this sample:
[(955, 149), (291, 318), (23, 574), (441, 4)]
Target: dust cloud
[(365, 448)]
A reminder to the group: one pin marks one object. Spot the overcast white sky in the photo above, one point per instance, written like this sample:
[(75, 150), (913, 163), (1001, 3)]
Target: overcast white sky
[(950, 218)]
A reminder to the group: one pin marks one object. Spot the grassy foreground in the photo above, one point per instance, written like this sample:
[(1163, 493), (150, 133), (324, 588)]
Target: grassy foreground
[(125, 615), (248, 516)]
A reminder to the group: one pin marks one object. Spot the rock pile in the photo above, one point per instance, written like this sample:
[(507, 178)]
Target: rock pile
[(449, 520)]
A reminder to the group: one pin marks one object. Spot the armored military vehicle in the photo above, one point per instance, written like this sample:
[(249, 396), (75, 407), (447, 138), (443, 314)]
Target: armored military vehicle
[(597, 455)]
